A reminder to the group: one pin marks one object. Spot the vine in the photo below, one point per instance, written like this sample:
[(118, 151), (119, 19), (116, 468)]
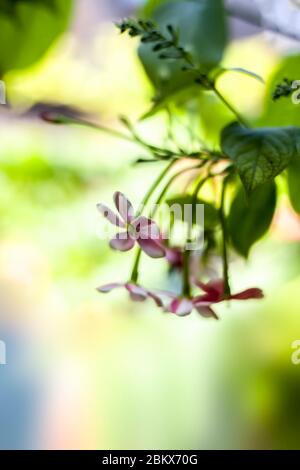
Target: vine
[(180, 53)]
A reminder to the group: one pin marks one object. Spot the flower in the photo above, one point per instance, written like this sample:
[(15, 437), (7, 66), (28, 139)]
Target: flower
[(136, 292), (214, 293), (138, 229), (183, 306)]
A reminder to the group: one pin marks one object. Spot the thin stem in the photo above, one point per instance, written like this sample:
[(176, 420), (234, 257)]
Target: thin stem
[(134, 274), (154, 185), (186, 287), (133, 138), (168, 184), (230, 107), (135, 270), (61, 119), (201, 184), (227, 291), (136, 137), (149, 33), (159, 153)]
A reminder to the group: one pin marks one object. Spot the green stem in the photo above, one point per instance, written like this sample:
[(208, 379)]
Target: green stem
[(227, 291), (133, 138), (198, 188), (168, 184), (135, 270), (154, 185), (186, 287), (61, 119), (230, 107), (134, 273)]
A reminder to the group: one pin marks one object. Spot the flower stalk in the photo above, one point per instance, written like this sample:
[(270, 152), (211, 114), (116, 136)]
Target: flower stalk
[(227, 290)]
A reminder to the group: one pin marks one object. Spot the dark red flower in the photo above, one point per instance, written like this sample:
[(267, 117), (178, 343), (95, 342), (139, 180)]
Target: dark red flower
[(214, 293)]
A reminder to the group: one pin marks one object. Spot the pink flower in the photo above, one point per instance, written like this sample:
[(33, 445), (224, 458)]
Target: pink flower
[(138, 229), (136, 292), (183, 306), (214, 293)]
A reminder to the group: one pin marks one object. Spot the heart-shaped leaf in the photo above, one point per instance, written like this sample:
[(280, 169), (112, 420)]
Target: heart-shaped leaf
[(250, 217), (259, 154)]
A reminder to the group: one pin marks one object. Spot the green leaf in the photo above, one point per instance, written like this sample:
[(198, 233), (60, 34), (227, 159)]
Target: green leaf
[(202, 32), (27, 29), (211, 215), (294, 183), (250, 217), (259, 154)]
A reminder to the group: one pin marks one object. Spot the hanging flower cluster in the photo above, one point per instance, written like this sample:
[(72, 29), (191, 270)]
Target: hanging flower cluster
[(233, 175), (144, 232)]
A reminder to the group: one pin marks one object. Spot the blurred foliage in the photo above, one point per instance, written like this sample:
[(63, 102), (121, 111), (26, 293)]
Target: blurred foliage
[(28, 28), (34, 173), (166, 369)]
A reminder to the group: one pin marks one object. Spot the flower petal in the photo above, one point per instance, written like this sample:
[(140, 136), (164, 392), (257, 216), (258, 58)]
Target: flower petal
[(181, 307), (206, 312), (109, 287), (146, 228), (174, 257), (252, 293), (156, 299), (122, 242), (214, 290), (137, 293), (124, 206), (152, 248), (110, 215), (165, 293)]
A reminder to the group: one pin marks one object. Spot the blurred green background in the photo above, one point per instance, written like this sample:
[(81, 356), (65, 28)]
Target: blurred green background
[(86, 371)]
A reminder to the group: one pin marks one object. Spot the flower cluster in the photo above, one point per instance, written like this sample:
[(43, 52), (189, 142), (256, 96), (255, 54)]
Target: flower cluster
[(235, 216), (144, 232)]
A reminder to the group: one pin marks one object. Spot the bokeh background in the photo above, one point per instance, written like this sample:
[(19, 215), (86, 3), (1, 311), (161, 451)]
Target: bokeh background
[(86, 371)]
